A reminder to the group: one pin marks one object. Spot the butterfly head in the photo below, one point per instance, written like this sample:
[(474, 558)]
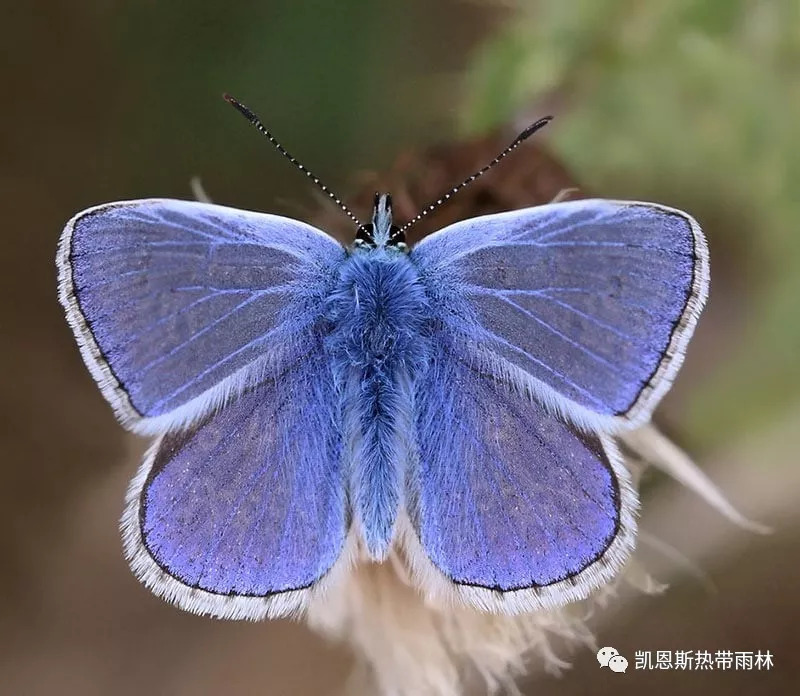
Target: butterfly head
[(381, 233)]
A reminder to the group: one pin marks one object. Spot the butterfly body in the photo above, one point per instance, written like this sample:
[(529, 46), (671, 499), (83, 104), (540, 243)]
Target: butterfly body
[(315, 404), (377, 350)]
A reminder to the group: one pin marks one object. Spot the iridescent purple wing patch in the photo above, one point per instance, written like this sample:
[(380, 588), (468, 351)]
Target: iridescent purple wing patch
[(589, 304), (240, 514), (178, 305), (516, 507)]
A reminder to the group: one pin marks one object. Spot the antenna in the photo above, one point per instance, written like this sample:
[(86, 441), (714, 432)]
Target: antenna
[(250, 116), (527, 133)]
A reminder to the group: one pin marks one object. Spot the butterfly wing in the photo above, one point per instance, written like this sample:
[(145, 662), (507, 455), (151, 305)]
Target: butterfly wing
[(509, 506), (244, 515), (589, 305), (179, 305)]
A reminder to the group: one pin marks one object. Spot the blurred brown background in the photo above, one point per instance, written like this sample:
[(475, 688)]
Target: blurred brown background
[(693, 103)]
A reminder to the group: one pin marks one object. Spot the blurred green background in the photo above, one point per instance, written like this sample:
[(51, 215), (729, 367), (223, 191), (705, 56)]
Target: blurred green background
[(692, 103)]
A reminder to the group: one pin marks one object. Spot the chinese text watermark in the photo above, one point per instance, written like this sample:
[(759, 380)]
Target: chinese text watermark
[(689, 660)]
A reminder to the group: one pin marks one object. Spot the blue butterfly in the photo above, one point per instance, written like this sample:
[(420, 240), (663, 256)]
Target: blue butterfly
[(317, 404)]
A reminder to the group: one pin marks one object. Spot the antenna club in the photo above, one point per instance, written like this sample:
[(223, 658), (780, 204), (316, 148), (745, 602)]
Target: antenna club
[(233, 101), (530, 130), (241, 108)]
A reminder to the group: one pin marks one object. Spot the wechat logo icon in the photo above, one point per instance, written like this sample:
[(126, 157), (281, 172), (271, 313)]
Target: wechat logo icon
[(609, 657)]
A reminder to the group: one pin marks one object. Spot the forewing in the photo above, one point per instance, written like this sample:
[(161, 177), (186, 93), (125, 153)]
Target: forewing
[(588, 304), (178, 305), (244, 514), (510, 508)]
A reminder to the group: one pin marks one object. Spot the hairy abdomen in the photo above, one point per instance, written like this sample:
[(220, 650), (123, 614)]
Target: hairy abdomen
[(378, 349)]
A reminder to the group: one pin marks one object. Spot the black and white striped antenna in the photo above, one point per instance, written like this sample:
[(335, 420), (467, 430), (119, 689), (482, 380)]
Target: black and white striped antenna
[(250, 116), (527, 133)]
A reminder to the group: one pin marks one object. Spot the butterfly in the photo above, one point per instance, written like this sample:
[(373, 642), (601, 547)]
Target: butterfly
[(317, 404)]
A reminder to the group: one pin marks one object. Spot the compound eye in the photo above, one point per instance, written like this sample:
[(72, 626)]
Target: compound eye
[(397, 239), (364, 236)]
